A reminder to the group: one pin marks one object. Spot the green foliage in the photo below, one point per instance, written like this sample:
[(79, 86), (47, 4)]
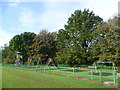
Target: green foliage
[(74, 41), (44, 45), (21, 43), (8, 56), (84, 40), (106, 42)]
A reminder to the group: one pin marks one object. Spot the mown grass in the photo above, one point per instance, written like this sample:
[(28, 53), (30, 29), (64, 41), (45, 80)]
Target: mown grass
[(16, 78), (83, 74), (0, 76)]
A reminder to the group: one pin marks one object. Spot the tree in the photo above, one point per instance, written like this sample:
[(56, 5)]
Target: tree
[(77, 35), (106, 41), (21, 43), (8, 56), (44, 45)]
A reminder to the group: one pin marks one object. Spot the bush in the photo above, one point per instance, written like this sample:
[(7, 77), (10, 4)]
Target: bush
[(8, 61)]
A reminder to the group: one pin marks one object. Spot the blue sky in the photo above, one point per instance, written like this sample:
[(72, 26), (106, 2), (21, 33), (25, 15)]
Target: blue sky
[(19, 16)]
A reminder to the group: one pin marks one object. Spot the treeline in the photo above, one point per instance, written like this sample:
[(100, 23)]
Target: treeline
[(85, 39)]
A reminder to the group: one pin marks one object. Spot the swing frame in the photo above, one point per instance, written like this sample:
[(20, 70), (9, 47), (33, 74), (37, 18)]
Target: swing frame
[(103, 62)]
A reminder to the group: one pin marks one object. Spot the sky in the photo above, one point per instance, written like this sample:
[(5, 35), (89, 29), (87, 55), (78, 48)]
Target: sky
[(19, 16)]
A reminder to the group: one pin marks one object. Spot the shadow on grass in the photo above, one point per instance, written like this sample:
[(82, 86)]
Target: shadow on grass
[(75, 70), (103, 74)]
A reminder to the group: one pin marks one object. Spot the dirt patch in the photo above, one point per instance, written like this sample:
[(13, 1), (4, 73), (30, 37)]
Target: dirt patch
[(110, 84), (74, 77), (118, 71), (39, 68)]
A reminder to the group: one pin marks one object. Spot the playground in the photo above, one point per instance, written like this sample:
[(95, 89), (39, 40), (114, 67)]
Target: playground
[(60, 44), (21, 77), (102, 75), (99, 75)]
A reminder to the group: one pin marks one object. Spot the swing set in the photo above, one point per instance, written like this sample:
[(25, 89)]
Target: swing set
[(100, 64), (36, 60)]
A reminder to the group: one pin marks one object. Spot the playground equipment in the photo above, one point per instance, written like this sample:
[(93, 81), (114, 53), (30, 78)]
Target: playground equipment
[(105, 63), (37, 59), (29, 61), (97, 64), (92, 67), (34, 60), (50, 60), (19, 58)]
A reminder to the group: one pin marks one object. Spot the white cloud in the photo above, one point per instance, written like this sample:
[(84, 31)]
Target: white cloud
[(14, 0), (13, 4), (54, 16), (44, 0), (26, 18), (12, 29), (119, 9), (5, 37), (53, 19), (104, 8)]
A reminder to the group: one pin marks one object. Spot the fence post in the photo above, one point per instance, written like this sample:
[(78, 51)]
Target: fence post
[(114, 79), (100, 74), (41, 68), (91, 74), (60, 71), (73, 72), (50, 69), (44, 69)]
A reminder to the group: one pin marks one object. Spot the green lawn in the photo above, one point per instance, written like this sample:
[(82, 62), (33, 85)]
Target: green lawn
[(16, 78), (85, 73), (0, 76)]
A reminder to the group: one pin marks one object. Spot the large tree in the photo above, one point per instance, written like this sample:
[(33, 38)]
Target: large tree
[(44, 45), (106, 41), (21, 43), (77, 36)]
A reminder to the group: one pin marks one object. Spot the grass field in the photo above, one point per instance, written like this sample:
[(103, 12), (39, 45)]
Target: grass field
[(16, 78), (82, 73), (0, 76)]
